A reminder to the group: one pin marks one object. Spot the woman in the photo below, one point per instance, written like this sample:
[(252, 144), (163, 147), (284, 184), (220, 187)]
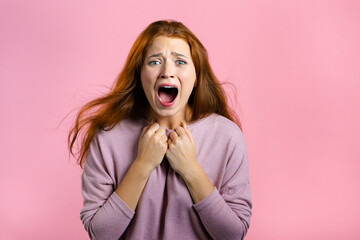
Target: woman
[(162, 156)]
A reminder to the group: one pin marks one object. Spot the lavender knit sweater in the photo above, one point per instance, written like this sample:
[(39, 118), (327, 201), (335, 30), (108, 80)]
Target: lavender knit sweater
[(165, 209)]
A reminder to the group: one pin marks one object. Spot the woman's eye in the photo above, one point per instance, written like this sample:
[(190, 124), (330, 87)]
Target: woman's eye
[(181, 62), (154, 63)]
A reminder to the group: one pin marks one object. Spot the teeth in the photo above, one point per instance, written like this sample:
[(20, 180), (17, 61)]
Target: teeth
[(167, 86)]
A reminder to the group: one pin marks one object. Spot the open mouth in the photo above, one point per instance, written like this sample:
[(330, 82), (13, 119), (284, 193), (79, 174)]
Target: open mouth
[(167, 94)]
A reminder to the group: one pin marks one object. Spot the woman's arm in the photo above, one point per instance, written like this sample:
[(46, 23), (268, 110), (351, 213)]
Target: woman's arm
[(107, 213), (182, 158), (152, 148), (225, 213), (104, 215), (198, 183), (133, 184)]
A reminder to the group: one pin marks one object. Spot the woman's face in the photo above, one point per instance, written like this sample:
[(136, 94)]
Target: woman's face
[(168, 76)]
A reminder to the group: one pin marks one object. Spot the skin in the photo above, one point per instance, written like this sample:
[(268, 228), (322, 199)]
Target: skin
[(168, 60)]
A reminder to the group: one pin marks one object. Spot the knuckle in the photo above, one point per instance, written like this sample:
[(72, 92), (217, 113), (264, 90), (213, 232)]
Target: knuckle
[(147, 134), (157, 138), (159, 131)]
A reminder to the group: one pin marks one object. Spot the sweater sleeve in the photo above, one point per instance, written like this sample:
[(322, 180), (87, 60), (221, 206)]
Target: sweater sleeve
[(226, 212), (104, 215)]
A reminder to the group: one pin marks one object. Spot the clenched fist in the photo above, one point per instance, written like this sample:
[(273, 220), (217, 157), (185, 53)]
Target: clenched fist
[(152, 145), (181, 152)]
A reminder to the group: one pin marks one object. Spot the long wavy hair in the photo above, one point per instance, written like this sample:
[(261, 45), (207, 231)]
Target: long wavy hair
[(126, 98)]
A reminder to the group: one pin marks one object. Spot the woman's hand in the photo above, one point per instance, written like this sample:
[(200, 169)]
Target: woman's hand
[(181, 152), (152, 146)]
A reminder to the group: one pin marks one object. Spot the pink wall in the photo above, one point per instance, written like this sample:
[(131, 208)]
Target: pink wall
[(296, 68)]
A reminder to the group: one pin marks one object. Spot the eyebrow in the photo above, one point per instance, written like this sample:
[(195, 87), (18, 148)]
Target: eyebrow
[(172, 53)]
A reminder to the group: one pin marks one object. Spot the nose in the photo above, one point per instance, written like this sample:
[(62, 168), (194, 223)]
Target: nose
[(167, 71)]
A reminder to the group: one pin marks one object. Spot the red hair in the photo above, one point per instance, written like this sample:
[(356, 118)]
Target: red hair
[(126, 98)]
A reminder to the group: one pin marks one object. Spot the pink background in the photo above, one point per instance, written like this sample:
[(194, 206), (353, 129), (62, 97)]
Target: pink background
[(296, 69)]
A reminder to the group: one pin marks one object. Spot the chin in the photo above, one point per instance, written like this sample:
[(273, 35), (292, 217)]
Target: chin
[(167, 113)]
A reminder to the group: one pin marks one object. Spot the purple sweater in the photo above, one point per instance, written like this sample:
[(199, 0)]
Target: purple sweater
[(165, 209)]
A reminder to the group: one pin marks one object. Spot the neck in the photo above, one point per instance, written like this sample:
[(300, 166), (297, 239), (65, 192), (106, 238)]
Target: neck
[(171, 122)]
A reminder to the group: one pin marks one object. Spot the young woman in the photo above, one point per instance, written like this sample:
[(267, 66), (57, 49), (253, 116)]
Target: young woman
[(162, 155)]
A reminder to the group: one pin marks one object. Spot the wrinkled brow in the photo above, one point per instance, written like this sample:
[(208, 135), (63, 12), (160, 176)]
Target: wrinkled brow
[(172, 53)]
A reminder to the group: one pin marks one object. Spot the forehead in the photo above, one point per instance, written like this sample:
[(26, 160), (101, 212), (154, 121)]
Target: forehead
[(163, 44)]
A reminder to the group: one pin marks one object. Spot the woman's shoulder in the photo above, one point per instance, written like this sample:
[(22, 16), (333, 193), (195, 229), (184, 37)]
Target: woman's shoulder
[(217, 122), (219, 127), (124, 128)]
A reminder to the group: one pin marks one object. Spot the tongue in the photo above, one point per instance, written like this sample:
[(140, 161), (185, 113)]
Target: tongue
[(167, 94)]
